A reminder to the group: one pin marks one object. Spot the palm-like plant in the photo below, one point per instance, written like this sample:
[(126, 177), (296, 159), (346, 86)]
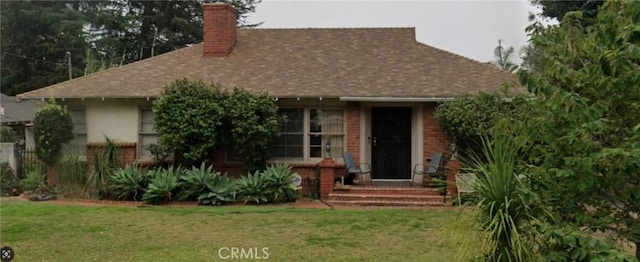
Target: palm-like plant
[(504, 58), (504, 208)]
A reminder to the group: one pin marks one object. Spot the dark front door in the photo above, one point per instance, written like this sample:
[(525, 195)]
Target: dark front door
[(391, 142)]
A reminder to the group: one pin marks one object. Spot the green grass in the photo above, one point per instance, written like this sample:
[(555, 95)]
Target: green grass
[(51, 232)]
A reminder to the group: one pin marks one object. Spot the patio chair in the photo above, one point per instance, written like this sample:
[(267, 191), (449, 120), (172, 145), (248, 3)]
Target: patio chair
[(465, 182), (362, 170), (430, 170)]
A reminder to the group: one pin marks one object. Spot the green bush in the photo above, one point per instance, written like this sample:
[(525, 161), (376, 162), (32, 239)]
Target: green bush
[(105, 162), (7, 135), (71, 171), (194, 119), (253, 188), (164, 185), (195, 181), (52, 127), (127, 183), (279, 183), (466, 119), (10, 184), (34, 181), (188, 116), (219, 191), (572, 244), (252, 124)]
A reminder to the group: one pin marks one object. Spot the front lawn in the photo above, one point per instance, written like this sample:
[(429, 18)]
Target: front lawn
[(52, 232)]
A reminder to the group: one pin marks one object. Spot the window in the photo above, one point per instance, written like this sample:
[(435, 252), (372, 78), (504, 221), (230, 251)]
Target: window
[(306, 132), (147, 135), (291, 141), (326, 127), (79, 141)]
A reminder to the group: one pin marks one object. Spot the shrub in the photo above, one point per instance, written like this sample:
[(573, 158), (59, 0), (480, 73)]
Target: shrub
[(253, 188), (194, 119), (163, 185), (252, 123), (7, 135), (34, 181), (195, 181), (188, 116), (71, 170), (279, 183), (219, 191), (468, 118), (127, 183), (105, 161), (52, 127), (10, 184)]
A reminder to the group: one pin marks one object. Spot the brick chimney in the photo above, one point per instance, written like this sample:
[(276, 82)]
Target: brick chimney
[(219, 29)]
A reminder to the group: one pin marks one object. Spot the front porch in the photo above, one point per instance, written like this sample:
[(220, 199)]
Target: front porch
[(399, 193)]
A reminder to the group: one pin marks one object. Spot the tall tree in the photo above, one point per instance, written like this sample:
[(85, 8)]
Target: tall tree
[(504, 57), (558, 8), (98, 34), (130, 30), (36, 37), (584, 130)]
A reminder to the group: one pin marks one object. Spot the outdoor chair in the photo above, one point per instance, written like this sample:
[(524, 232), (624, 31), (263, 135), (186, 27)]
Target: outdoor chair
[(430, 170), (465, 182), (362, 170)]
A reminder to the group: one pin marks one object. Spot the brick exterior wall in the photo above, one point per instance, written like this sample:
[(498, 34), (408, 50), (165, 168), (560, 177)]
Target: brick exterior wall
[(434, 139), (126, 152), (353, 130), (220, 33)]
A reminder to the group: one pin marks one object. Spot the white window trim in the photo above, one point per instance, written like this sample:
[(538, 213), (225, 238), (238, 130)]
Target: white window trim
[(75, 134), (139, 146)]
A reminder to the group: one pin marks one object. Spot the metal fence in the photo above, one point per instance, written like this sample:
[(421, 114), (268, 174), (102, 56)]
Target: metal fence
[(310, 187), (26, 159)]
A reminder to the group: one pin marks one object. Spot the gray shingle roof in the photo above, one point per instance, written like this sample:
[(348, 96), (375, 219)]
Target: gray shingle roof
[(362, 62), (17, 112)]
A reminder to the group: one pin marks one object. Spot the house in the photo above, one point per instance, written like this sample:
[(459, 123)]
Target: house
[(369, 91), (18, 115)]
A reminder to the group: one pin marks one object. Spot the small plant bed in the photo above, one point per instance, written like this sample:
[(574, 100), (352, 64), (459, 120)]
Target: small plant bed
[(198, 185)]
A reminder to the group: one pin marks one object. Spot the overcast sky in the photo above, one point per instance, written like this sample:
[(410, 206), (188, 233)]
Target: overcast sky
[(470, 28)]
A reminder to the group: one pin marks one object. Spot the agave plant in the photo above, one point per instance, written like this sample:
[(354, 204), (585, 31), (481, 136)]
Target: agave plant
[(279, 183), (219, 190), (127, 183), (163, 185), (34, 181), (195, 181), (252, 188)]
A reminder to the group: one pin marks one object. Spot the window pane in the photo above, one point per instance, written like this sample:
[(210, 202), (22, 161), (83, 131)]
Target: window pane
[(293, 119), (79, 141), (146, 120), (332, 120), (78, 119), (145, 142), (290, 144), (314, 120)]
